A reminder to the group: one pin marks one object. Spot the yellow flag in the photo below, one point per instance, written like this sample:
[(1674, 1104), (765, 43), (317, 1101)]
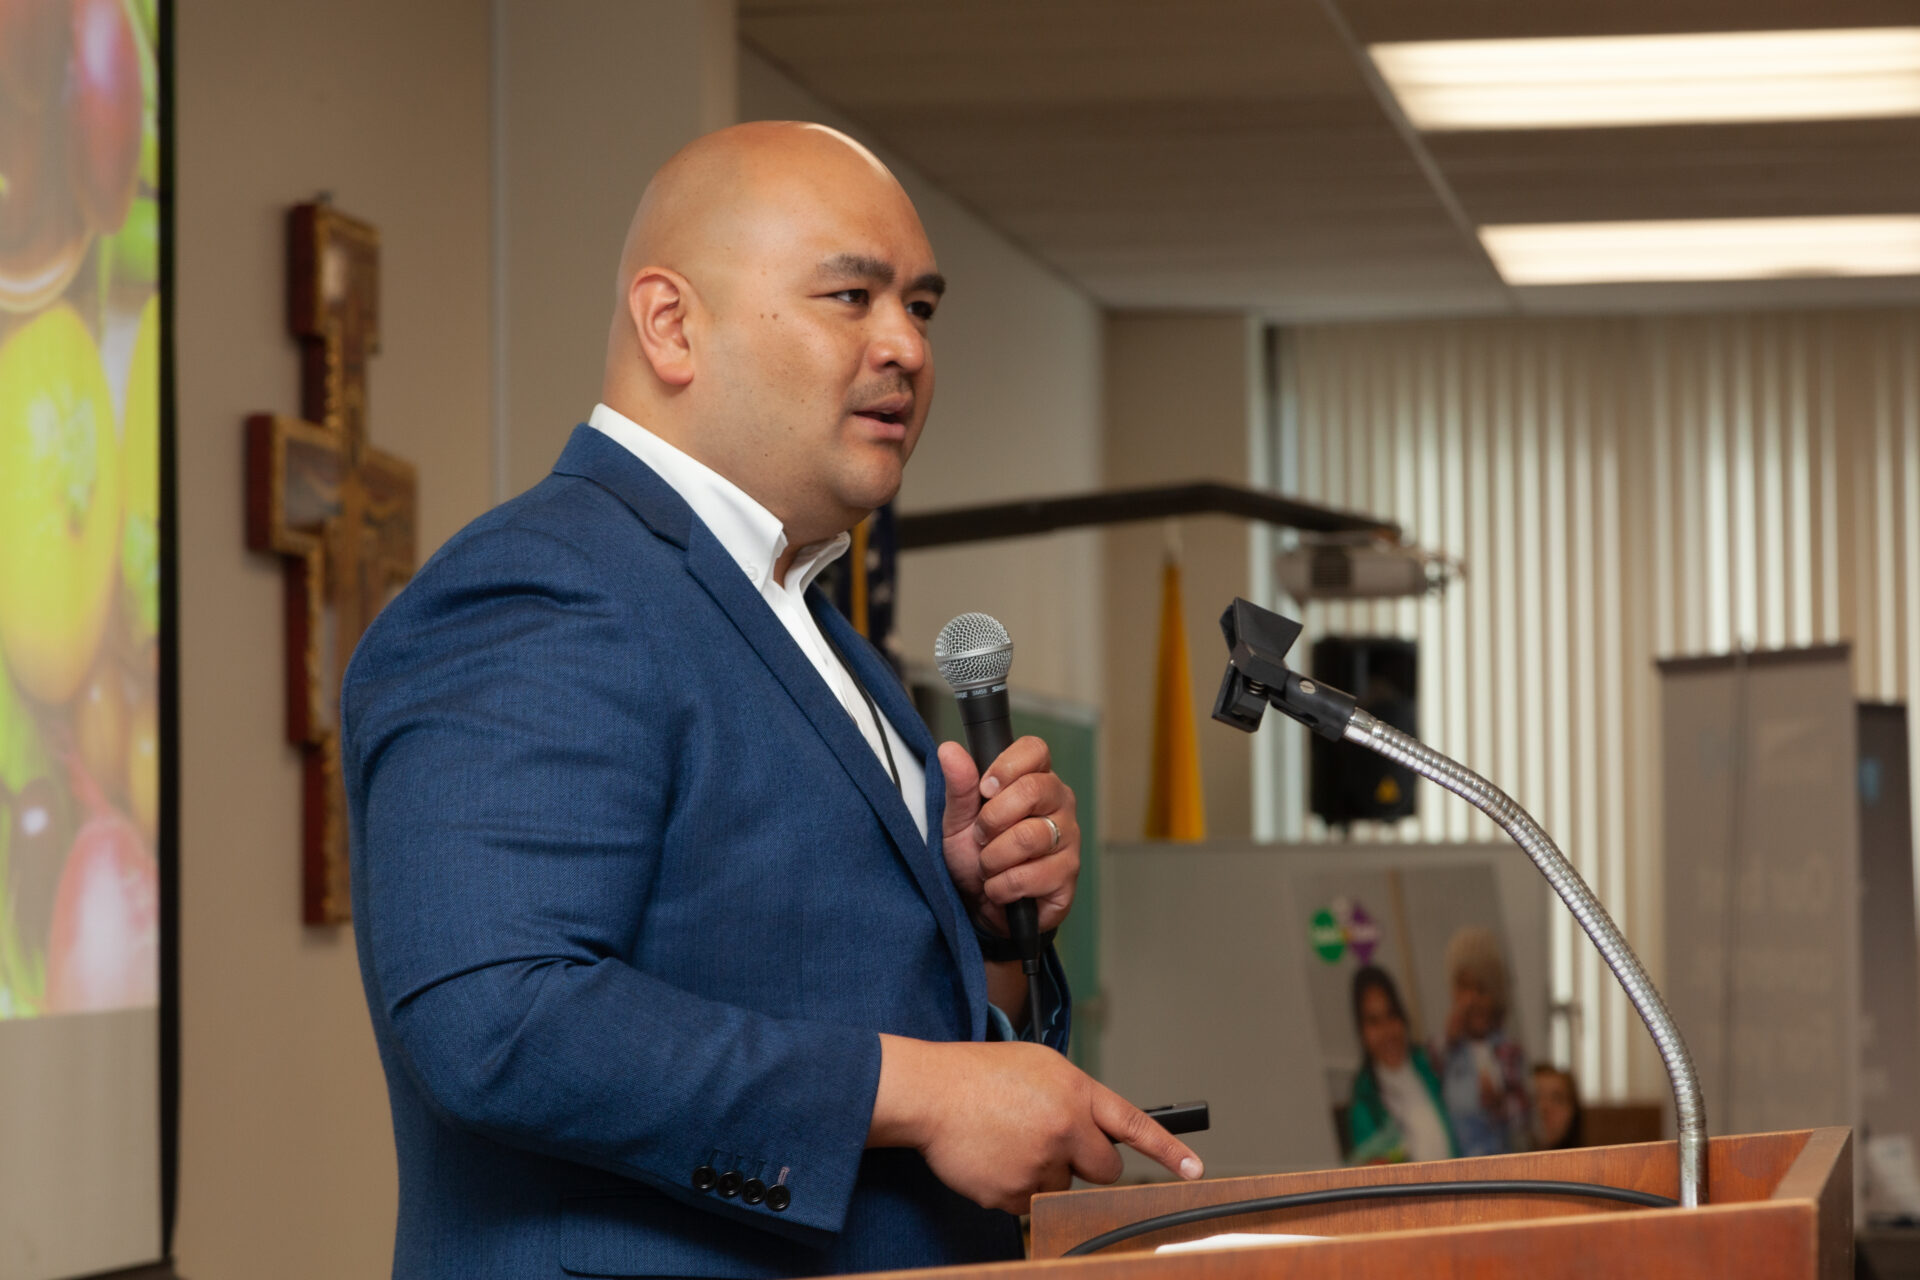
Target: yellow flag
[(1175, 808)]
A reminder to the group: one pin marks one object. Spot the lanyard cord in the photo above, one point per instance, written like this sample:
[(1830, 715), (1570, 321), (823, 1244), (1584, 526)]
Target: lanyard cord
[(879, 725)]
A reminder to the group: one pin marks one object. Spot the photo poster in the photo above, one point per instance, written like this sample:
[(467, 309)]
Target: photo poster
[(1401, 919), (81, 734)]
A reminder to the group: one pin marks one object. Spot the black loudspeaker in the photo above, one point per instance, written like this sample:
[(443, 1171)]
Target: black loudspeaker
[(1348, 783)]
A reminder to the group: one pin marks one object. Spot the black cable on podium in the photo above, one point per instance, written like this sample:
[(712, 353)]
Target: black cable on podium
[(1398, 1191)]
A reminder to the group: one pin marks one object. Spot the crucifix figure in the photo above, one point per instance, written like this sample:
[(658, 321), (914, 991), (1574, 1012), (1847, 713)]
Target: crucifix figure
[(340, 511)]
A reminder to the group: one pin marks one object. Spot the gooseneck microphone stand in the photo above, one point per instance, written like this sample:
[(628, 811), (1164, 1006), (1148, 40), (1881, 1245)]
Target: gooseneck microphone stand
[(1257, 676)]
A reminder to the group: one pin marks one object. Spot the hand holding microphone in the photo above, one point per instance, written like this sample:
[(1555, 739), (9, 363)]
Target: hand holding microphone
[(1011, 836), (1000, 1122)]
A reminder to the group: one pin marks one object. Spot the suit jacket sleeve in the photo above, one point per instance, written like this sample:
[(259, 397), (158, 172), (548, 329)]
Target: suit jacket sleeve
[(508, 831)]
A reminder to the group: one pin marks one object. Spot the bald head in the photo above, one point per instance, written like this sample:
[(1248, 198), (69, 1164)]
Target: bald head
[(774, 293), (701, 196)]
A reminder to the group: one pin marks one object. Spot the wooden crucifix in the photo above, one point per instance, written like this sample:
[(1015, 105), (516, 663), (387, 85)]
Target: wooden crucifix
[(340, 511)]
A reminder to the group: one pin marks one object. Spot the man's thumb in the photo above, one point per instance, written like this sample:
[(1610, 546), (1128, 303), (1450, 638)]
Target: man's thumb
[(963, 784)]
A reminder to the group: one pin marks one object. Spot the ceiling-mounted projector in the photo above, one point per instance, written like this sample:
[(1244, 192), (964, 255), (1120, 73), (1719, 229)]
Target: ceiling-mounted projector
[(1361, 568)]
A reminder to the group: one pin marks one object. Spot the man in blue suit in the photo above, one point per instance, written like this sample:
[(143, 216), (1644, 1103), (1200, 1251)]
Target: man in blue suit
[(670, 929)]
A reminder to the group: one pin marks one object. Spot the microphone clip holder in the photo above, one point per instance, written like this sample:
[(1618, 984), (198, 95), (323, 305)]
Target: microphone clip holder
[(1257, 676)]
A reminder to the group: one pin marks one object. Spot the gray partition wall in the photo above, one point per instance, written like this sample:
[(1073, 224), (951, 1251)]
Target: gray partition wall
[(1889, 956), (1762, 881)]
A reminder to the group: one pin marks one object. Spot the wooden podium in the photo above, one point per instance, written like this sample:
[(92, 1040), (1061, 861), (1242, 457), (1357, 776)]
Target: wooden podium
[(1779, 1205)]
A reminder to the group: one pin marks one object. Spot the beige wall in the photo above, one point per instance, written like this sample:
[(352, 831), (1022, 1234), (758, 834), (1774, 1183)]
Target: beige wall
[(1017, 414), (287, 1156), (1183, 403), (597, 94)]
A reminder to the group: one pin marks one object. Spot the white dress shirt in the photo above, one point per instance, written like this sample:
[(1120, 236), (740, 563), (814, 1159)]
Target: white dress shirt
[(755, 539), (1408, 1101)]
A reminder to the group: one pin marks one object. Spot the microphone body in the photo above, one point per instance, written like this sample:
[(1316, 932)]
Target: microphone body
[(989, 727), (974, 654), (988, 723)]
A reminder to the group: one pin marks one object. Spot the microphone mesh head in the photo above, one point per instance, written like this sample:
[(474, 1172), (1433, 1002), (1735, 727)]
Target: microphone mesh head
[(973, 650)]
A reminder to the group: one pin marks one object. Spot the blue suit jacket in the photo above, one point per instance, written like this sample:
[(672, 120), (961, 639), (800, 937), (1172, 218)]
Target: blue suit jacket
[(633, 896)]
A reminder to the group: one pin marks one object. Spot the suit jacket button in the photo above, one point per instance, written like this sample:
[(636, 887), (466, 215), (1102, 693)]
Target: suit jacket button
[(778, 1197), (754, 1191), (704, 1177), (730, 1183)]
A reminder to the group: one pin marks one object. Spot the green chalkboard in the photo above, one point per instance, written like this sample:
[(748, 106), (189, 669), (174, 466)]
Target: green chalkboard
[(1071, 732)]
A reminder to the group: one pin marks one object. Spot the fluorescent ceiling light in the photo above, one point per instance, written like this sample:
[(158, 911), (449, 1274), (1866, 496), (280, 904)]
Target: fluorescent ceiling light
[(1704, 249), (1646, 80)]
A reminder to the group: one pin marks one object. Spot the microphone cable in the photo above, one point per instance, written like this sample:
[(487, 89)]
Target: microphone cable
[(1337, 1195)]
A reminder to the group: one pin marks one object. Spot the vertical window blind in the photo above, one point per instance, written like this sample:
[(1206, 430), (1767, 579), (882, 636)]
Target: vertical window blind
[(1621, 490)]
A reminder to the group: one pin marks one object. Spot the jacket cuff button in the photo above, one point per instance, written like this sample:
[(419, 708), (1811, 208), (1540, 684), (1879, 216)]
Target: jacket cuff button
[(778, 1197), (730, 1182), (754, 1191), (704, 1178)]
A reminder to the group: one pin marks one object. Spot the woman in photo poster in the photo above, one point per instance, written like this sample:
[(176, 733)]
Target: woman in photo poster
[(1483, 1072), (1397, 1112)]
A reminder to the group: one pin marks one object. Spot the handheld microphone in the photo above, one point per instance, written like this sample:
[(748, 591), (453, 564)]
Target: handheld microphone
[(974, 654)]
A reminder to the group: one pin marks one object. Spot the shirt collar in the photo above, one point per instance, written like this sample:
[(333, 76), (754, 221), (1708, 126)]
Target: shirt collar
[(751, 534)]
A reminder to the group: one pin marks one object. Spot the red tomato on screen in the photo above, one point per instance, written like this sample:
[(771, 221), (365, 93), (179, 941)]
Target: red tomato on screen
[(104, 96), (104, 948)]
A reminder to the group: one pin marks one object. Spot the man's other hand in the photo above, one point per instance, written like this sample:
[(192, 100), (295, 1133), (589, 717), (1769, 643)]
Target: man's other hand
[(1000, 1123), (998, 841)]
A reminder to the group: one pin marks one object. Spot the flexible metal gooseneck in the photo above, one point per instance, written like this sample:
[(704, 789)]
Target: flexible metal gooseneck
[(1257, 676), (1404, 749)]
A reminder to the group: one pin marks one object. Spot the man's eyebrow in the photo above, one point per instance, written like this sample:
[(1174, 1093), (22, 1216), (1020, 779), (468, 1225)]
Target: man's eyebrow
[(858, 265), (864, 267)]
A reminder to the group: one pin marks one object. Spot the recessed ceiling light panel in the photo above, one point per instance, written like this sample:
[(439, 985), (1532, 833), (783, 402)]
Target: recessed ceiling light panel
[(1704, 249), (1713, 78)]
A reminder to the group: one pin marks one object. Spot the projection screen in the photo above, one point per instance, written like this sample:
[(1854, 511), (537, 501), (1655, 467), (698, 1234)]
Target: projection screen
[(85, 637)]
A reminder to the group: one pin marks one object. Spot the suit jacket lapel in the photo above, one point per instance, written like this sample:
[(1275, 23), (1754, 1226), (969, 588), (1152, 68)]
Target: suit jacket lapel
[(715, 570), (879, 679), (591, 455), (926, 859)]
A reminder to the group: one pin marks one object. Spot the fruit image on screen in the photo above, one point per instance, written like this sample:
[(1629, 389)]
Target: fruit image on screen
[(79, 506)]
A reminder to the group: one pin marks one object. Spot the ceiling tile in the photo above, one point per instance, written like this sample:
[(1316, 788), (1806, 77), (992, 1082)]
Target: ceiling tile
[(1697, 171), (859, 53), (1230, 153), (1380, 21)]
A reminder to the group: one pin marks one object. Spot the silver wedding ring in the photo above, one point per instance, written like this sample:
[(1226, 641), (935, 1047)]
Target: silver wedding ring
[(1053, 827)]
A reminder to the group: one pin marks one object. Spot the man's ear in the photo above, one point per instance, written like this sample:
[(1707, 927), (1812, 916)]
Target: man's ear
[(657, 304)]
